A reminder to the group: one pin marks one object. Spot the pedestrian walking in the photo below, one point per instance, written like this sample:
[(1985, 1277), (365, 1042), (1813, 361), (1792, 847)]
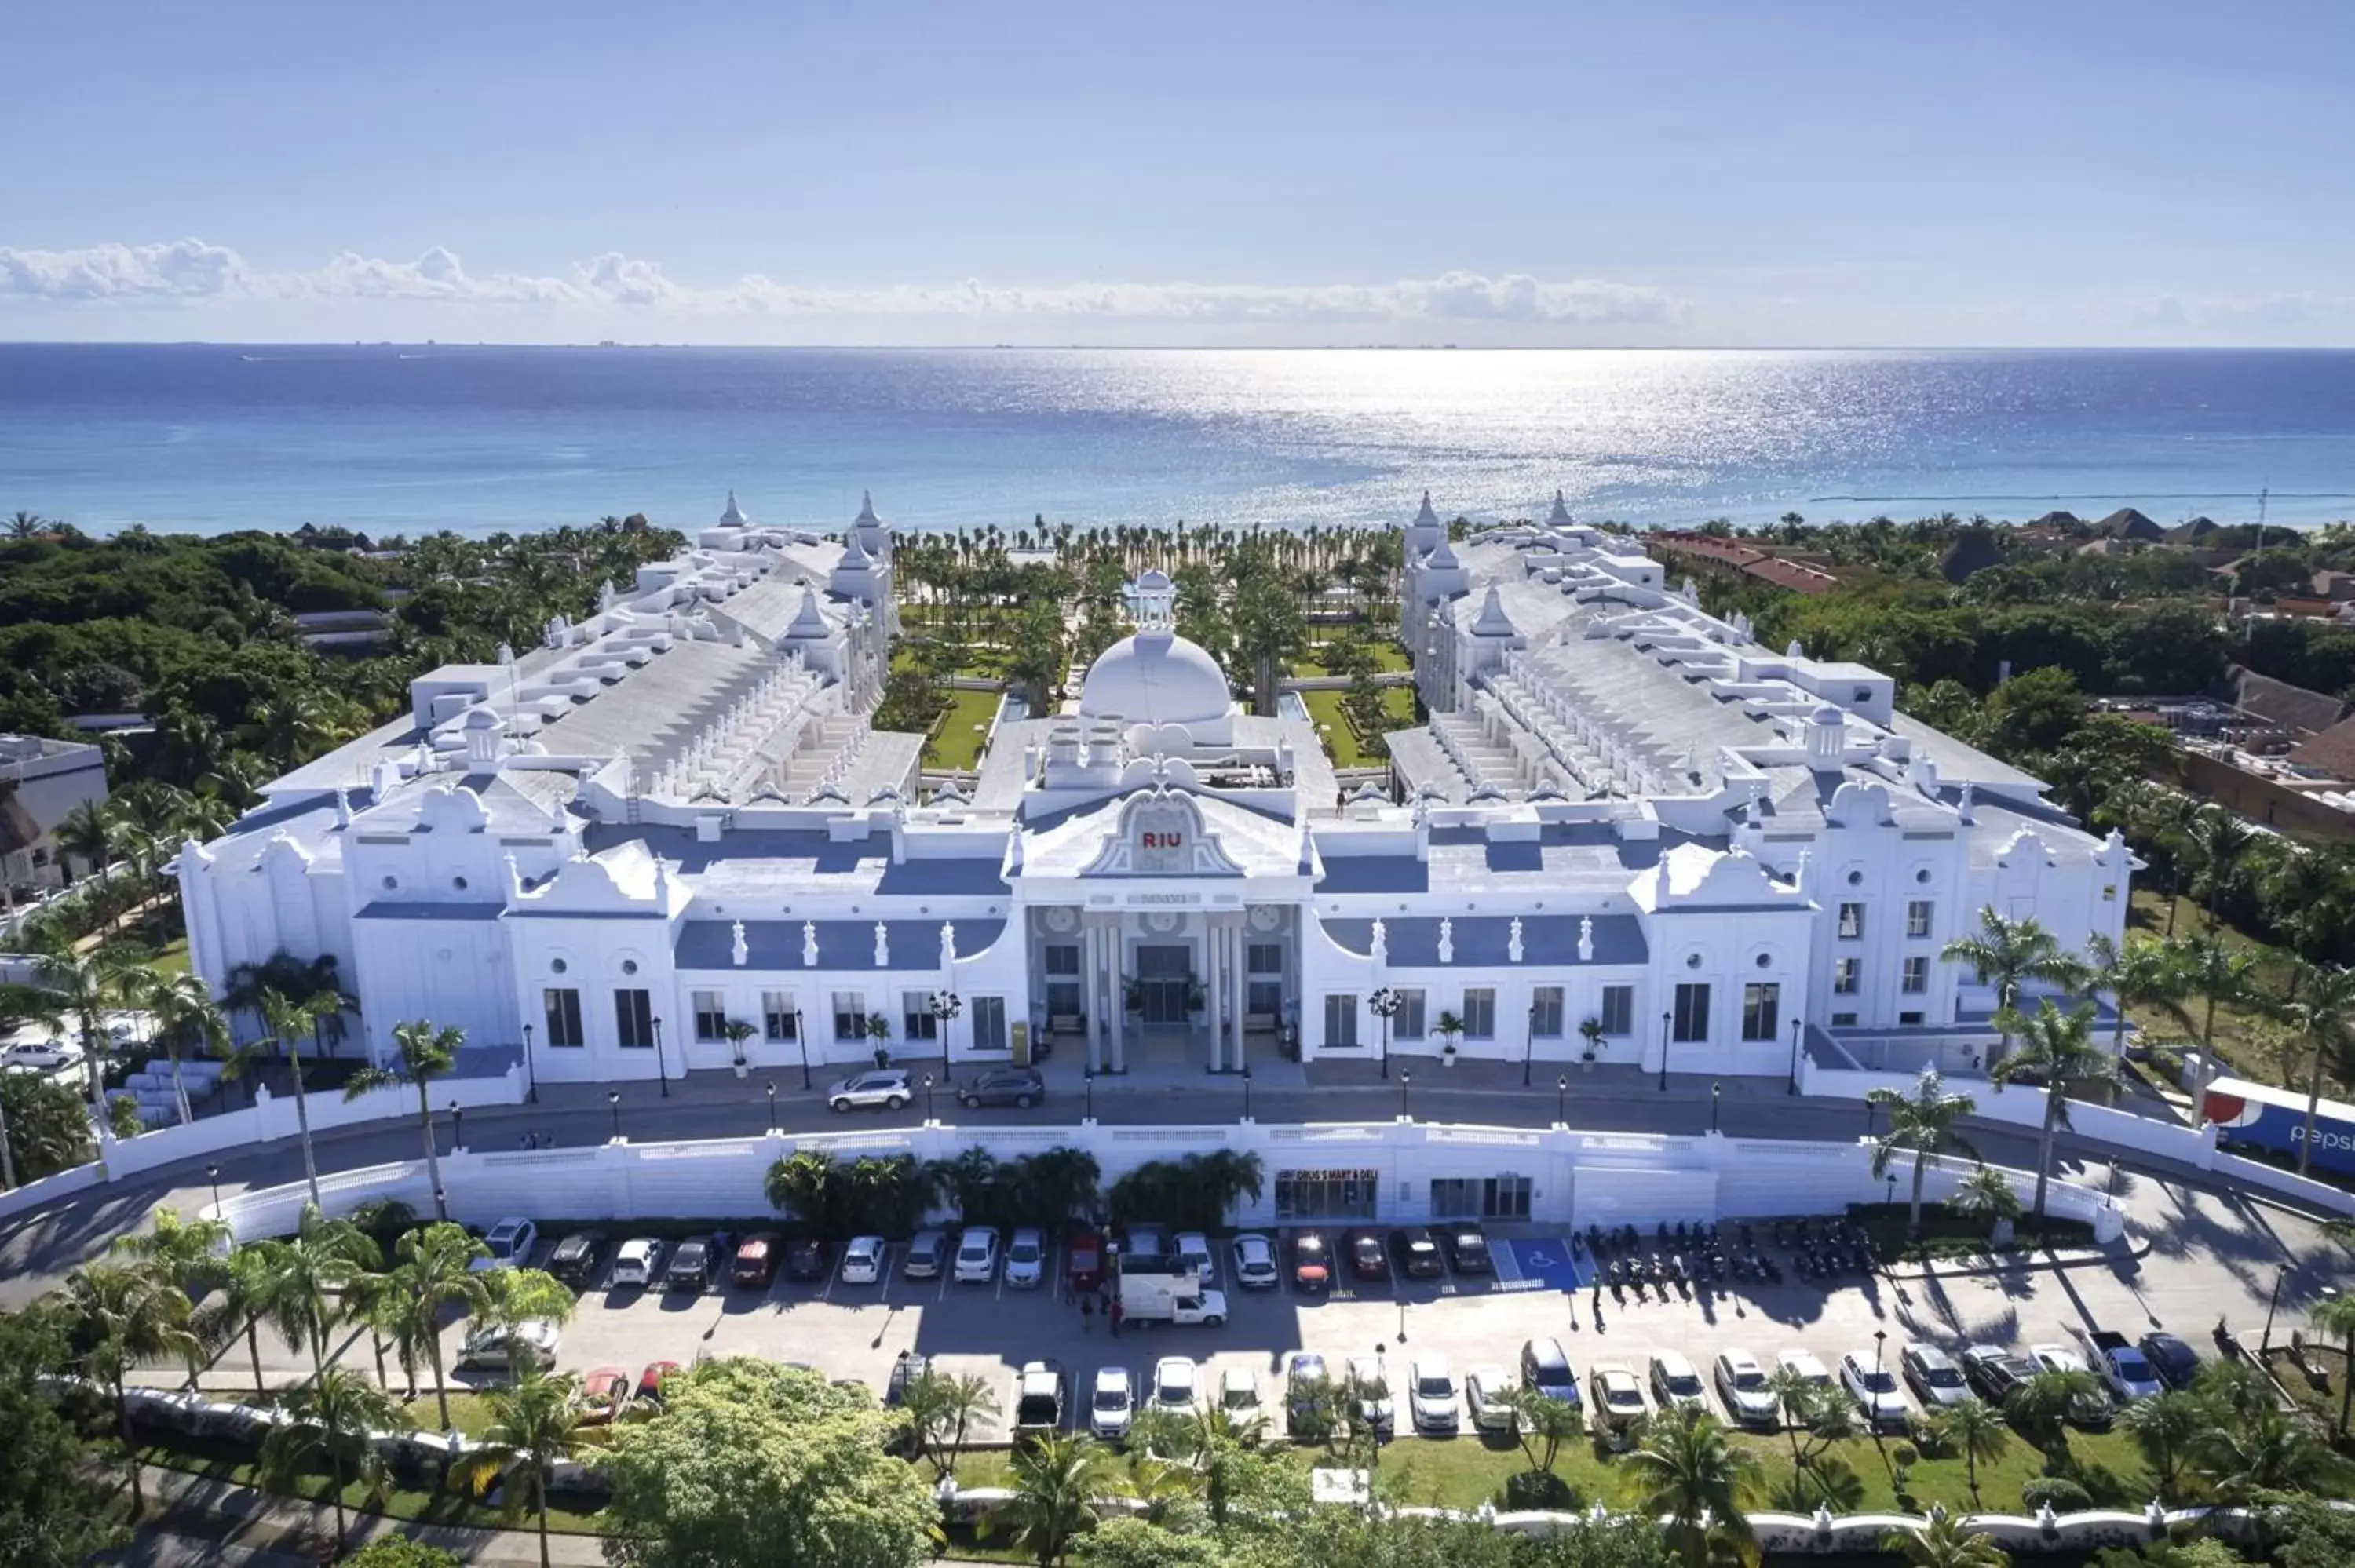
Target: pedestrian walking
[(527, 1141), (1087, 1313)]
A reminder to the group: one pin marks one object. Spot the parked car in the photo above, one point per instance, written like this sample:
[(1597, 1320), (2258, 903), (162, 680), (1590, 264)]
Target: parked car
[(603, 1392), (1741, 1386), (2092, 1410), (689, 1267), (1145, 1239), (1618, 1404), (636, 1261), (1038, 1399), (1676, 1384), (884, 1088), (1193, 1249), (1432, 1397), (1546, 1372), (2175, 1362), (1488, 1390), (2121, 1364), (926, 1254), (1239, 1396), (1304, 1386), (1874, 1389), (1995, 1372), (1254, 1258), (1808, 1370), (501, 1346), (38, 1055), (1467, 1249), (977, 1257), (1025, 1258), (1417, 1253), (906, 1370), (862, 1260), (1369, 1385), (576, 1258), (1312, 1263), (1112, 1405), (1021, 1087), (806, 1258), (1177, 1384), (1363, 1249), (1084, 1260), (1932, 1376), (650, 1381), (510, 1241)]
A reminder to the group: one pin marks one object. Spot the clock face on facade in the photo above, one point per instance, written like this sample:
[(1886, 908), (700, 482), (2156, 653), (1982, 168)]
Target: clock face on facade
[(1062, 917), (1265, 917)]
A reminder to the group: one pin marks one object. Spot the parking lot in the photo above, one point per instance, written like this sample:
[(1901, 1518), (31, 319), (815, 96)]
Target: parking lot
[(858, 1331)]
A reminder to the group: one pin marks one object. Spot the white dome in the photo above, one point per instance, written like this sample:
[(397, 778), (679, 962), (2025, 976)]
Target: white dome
[(1155, 677)]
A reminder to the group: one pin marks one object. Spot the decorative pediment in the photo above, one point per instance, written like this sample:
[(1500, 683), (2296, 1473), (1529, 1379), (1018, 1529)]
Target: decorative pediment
[(1161, 833)]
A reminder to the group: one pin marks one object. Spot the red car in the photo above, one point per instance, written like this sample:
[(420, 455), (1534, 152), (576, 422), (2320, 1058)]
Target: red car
[(650, 1381), (602, 1394), (1312, 1263), (1084, 1253)]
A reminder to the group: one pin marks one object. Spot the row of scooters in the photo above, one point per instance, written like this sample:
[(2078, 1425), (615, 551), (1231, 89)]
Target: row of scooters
[(1689, 1258)]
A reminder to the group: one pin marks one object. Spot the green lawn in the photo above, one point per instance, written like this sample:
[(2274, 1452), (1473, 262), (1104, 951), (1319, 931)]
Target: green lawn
[(1341, 740), (2237, 1024), (436, 1508), (958, 734), (1389, 657)]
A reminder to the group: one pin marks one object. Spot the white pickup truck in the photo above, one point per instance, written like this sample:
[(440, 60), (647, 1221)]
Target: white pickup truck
[(1158, 1289), (2127, 1370)]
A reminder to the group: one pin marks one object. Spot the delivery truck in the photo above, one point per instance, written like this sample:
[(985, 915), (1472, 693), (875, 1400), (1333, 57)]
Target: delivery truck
[(2258, 1115)]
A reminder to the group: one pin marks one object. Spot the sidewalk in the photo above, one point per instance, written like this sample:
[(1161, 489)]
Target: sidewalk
[(272, 1529)]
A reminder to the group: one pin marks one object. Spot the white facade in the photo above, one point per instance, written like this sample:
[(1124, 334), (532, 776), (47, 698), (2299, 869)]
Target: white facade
[(49, 778), (675, 817)]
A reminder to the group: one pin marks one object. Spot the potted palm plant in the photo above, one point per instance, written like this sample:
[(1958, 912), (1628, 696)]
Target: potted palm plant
[(878, 1028), (1591, 1031), (735, 1030), (1449, 1027)]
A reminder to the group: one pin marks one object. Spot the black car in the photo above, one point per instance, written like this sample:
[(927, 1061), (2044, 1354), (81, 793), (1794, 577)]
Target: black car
[(906, 1370), (690, 1266), (1021, 1087), (2175, 1362), (1417, 1252), (576, 1258), (1994, 1373), (1364, 1251), (1467, 1250), (804, 1258)]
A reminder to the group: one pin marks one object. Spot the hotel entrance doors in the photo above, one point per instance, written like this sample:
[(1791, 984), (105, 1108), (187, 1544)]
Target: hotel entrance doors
[(1165, 975)]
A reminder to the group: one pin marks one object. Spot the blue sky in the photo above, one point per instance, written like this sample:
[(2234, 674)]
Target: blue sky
[(2072, 171)]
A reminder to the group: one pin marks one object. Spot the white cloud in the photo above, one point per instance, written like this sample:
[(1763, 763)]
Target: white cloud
[(193, 270)]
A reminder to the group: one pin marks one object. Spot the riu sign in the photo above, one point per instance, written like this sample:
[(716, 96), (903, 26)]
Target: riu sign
[(1160, 840)]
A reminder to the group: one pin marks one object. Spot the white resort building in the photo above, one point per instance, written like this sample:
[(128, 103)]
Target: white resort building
[(1629, 834)]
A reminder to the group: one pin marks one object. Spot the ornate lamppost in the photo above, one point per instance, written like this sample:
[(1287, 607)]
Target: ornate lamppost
[(1386, 1004)]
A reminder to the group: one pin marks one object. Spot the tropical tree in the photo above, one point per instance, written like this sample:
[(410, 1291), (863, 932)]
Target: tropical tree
[(89, 834), (115, 1316), (1974, 1429), (75, 990), (2040, 1406), (969, 1182), (2006, 955), (1945, 1543), (2142, 971), (194, 1255), (2216, 973), (289, 1020), (1543, 1424), (2336, 1317), (420, 1054), (803, 1185), (2055, 1050), (2167, 1429), (429, 1275), (331, 1423), (2322, 1014), (534, 1426), (2219, 841), (1057, 1482), (1686, 1473), (1819, 1412), (1921, 1124), (2272, 1450), (185, 1015), (1986, 1194), (296, 1284)]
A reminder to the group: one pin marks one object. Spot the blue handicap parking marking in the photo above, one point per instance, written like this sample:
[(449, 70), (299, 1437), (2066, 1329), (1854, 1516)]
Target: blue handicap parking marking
[(1543, 1263)]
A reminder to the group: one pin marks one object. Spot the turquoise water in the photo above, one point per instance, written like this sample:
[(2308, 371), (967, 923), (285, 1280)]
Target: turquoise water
[(483, 440)]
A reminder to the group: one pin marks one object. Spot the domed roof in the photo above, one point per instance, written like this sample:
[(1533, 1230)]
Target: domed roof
[(1155, 677)]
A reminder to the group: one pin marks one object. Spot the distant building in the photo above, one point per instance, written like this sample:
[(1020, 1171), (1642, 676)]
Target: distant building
[(44, 780)]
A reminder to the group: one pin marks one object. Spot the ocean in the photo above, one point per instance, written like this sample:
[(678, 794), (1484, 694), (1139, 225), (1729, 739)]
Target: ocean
[(392, 438)]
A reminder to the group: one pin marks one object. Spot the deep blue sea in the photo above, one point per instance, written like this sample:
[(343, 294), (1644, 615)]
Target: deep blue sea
[(390, 438)]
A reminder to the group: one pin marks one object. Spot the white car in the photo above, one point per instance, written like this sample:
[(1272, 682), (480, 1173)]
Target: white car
[(1025, 1258), (1618, 1403), (1742, 1384), (1369, 1383), (2086, 1410), (1239, 1396), (1935, 1378), (498, 1345), (1676, 1384), (1488, 1389), (1256, 1266), (1193, 1250), (510, 1241), (38, 1055), (635, 1262), (886, 1088), (1431, 1398), (1177, 1383), (1808, 1370), (1112, 1405), (1875, 1390), (976, 1256), (862, 1260)]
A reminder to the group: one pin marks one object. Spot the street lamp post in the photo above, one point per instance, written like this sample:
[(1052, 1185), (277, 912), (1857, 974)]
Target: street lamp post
[(1561, 1101), (1879, 1343), (1716, 1094), (928, 1099), (1386, 1004), (1797, 1025), (772, 1106), (614, 1100), (946, 1005), (662, 1065), (1529, 1042), (530, 1074), (1088, 1077), (1247, 1115), (2265, 1341), (801, 1040), (1663, 1052), (457, 1126), (212, 1174), (1405, 1078)]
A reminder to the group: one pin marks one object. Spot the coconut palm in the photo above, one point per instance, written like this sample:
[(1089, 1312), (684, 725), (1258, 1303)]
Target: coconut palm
[(89, 834), (1974, 1429), (2321, 1014), (2141, 972), (2216, 973), (428, 1276), (75, 990), (1057, 1482), (420, 1054), (1945, 1543), (289, 1020), (185, 1014), (2040, 1406), (1986, 1194), (2336, 1317), (115, 1316), (1689, 1475), (296, 1284), (1921, 1124), (194, 1255), (2219, 842), (804, 1184), (534, 1426), (2055, 1050), (2273, 1450), (1821, 1413), (968, 1181), (331, 1423), (2006, 955), (2167, 1429)]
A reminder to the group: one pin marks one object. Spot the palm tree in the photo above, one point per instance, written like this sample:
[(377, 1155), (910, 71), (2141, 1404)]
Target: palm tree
[(2167, 1428), (332, 1423), (2337, 1316), (1921, 1124), (184, 1013), (429, 1276), (2321, 1013), (1057, 1482), (75, 989), (534, 1426), (289, 1020), (2055, 1050), (89, 834), (296, 1284), (114, 1318), (803, 1185), (2006, 955), (1944, 1542), (194, 1255), (1690, 1476), (2142, 971), (2040, 1406), (2272, 1450), (968, 1181), (1974, 1429), (1984, 1193), (422, 1053), (2219, 841), (2215, 973)]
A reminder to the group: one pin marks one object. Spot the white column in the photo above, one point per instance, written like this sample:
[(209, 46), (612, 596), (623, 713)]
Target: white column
[(1213, 958), (1114, 955), (1230, 954), (1092, 969)]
